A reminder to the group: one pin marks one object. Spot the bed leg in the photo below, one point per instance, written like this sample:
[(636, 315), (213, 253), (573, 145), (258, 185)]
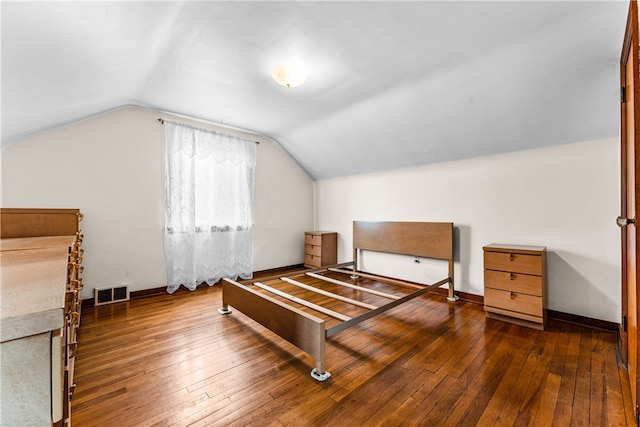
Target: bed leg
[(355, 264), (224, 309), (319, 373), (451, 297)]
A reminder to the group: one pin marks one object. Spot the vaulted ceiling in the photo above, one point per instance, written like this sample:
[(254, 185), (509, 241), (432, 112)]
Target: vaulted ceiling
[(390, 84)]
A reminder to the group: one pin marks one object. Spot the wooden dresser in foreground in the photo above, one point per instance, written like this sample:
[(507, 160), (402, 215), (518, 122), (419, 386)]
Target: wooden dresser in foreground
[(320, 248), (40, 284), (515, 284)]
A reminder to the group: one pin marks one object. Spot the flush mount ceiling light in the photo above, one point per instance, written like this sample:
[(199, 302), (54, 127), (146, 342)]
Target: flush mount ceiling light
[(289, 75)]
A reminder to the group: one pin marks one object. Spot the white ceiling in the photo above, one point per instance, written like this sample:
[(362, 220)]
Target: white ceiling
[(390, 84)]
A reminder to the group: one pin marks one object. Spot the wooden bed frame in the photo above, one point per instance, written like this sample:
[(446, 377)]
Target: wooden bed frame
[(309, 332)]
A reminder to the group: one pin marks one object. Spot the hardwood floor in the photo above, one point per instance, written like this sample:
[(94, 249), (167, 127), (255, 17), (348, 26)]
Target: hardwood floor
[(173, 360)]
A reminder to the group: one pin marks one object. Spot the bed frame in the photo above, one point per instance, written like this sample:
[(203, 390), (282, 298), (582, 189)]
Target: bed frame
[(309, 332)]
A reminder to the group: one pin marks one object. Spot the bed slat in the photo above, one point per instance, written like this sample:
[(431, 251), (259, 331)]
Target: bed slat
[(357, 288), (328, 294), (303, 302)]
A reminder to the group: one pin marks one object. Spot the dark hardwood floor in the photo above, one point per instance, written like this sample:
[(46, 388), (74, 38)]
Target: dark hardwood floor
[(173, 360)]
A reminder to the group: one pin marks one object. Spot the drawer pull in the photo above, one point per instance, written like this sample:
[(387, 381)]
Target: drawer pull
[(512, 295), (512, 276), (73, 346), (511, 257)]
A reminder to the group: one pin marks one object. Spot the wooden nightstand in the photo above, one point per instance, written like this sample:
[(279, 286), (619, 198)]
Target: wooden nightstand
[(514, 284), (320, 248)]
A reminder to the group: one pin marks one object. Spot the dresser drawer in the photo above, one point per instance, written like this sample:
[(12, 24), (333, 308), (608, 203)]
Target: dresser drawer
[(513, 262), (312, 260), (516, 282), (313, 250), (313, 239), (513, 301)]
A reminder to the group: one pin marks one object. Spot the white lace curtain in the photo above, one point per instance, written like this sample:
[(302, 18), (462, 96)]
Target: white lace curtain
[(209, 206)]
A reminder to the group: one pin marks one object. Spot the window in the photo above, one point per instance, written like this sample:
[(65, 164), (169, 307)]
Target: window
[(209, 206)]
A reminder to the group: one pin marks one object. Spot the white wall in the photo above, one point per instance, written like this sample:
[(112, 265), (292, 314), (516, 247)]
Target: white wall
[(565, 198), (111, 167)]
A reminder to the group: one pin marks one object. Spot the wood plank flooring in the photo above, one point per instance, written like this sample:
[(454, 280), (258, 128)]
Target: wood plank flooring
[(172, 360)]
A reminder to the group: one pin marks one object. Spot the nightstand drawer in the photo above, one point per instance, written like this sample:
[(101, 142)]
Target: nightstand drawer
[(513, 262), (313, 250), (312, 261), (313, 239), (513, 301), (516, 282)]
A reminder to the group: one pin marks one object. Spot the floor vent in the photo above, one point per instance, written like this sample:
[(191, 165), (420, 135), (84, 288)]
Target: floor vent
[(110, 295)]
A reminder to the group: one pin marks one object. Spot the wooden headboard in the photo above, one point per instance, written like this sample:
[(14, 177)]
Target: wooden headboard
[(423, 239), (32, 222)]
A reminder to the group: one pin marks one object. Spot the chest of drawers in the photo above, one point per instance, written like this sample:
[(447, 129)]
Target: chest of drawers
[(514, 284), (320, 248), (40, 269)]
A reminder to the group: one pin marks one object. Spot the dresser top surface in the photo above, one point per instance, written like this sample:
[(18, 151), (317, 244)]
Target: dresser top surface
[(509, 248), (32, 290), (25, 243)]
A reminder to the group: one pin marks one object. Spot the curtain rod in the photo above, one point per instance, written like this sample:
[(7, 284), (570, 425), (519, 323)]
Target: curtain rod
[(163, 121)]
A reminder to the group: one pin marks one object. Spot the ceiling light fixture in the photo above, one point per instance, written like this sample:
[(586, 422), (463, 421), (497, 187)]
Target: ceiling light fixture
[(289, 75)]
